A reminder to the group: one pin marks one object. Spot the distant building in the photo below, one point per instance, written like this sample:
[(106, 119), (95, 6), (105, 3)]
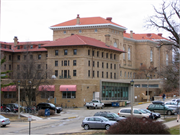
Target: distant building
[(92, 58)]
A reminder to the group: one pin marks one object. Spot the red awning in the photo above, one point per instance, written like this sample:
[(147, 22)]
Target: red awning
[(9, 88), (67, 88), (47, 88)]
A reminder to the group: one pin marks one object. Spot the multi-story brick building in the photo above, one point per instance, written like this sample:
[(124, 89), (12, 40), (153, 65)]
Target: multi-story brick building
[(93, 58)]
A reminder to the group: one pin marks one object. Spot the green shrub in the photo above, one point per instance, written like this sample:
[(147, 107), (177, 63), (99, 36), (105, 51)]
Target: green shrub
[(138, 126)]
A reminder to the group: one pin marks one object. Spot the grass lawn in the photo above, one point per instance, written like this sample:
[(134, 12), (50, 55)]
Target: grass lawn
[(175, 130), (14, 117)]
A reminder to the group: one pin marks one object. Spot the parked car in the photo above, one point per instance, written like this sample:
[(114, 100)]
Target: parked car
[(48, 106), (96, 122), (4, 121), (172, 104), (12, 107), (161, 108), (155, 115), (175, 100), (109, 115), (157, 102), (95, 104), (126, 112)]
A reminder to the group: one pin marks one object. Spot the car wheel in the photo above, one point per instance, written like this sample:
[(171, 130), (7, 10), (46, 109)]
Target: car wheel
[(86, 127), (96, 107), (3, 125), (102, 107), (107, 127), (169, 112), (87, 107)]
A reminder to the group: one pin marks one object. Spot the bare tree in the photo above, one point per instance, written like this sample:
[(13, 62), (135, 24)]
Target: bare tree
[(31, 73), (168, 19), (144, 72)]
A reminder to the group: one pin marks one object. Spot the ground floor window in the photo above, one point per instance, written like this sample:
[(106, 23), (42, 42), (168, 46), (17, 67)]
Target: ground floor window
[(9, 94), (114, 91), (47, 94), (68, 94)]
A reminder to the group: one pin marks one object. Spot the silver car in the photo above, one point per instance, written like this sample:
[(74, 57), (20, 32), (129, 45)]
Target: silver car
[(4, 121), (172, 104), (96, 122)]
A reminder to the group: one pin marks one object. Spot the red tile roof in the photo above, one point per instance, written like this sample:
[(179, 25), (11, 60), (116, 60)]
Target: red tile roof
[(87, 21), (78, 40), (146, 36)]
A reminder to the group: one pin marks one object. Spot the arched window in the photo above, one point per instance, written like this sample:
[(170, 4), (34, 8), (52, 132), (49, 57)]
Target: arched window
[(129, 54), (123, 53), (167, 59), (151, 56), (115, 44)]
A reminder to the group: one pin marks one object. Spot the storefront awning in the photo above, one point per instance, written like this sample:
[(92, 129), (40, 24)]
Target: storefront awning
[(9, 88), (67, 88), (47, 88)]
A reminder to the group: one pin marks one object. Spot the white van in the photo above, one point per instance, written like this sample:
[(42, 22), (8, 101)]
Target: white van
[(126, 112)]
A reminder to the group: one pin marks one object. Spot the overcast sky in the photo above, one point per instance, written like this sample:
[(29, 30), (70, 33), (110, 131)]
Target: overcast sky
[(30, 20)]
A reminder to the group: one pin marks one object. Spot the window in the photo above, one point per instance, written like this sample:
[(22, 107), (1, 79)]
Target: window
[(167, 59), (98, 64), (4, 66), (114, 75), (106, 65), (128, 74), (123, 53), (39, 66), (25, 47), (95, 30), (115, 44), (18, 67), (9, 94), (74, 62), (80, 31), (9, 67), (111, 66), (111, 75), (102, 64), (92, 53), (89, 63), (102, 54), (31, 47), (74, 72), (39, 46), (98, 74), (75, 51), (93, 64), (129, 54), (24, 57), (47, 94), (151, 56), (68, 62), (56, 52), (106, 55), (120, 73), (124, 74), (64, 32), (24, 67), (62, 63), (56, 63), (31, 57), (97, 53), (110, 56), (9, 57), (18, 47), (68, 94), (114, 56), (65, 63), (65, 52), (88, 73), (137, 85), (89, 52), (106, 74), (102, 74), (46, 55), (56, 73), (114, 66), (18, 57), (5, 46), (39, 56), (93, 73)]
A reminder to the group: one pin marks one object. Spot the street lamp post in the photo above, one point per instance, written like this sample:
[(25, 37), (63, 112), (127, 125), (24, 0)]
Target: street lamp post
[(148, 89), (18, 99), (132, 97)]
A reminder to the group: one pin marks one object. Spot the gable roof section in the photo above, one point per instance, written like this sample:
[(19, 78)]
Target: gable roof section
[(88, 21), (78, 40)]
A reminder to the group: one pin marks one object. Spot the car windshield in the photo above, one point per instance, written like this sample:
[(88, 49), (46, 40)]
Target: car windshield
[(142, 111), (147, 111), (52, 105), (115, 115), (104, 119)]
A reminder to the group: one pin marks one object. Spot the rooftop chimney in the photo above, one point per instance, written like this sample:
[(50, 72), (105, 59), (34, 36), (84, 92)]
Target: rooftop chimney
[(78, 19), (149, 35), (160, 34), (109, 18), (131, 34), (15, 41), (107, 40)]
